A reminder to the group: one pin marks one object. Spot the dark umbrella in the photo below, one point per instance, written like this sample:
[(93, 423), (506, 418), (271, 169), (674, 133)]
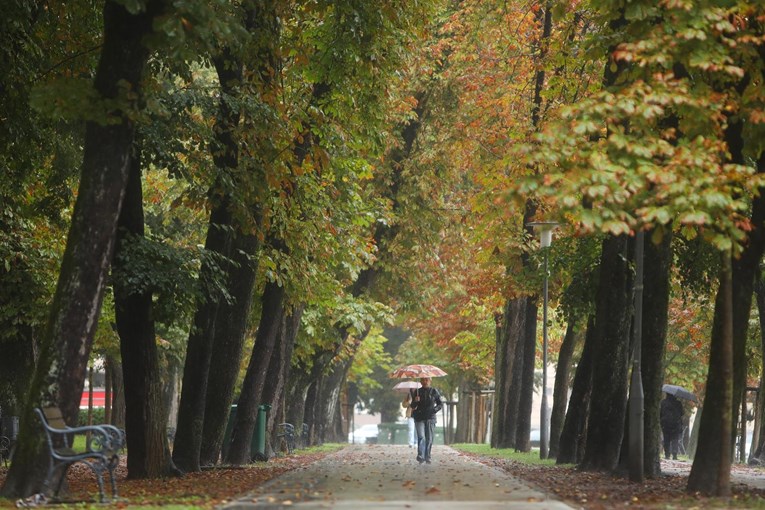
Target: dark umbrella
[(679, 392)]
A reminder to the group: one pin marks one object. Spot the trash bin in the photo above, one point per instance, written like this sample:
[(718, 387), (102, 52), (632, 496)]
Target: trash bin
[(258, 447), (258, 441)]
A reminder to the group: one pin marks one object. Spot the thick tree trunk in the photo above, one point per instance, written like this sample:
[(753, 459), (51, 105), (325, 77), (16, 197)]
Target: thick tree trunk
[(613, 315), (758, 449), (254, 379), (657, 261), (230, 329), (328, 402), (68, 336), (146, 423), (710, 473), (574, 434), (745, 268), (191, 411), (279, 369), (311, 412), (188, 436), (506, 399), (560, 393), (529, 339)]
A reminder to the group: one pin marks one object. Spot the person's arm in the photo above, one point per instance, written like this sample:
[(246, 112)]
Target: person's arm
[(437, 400)]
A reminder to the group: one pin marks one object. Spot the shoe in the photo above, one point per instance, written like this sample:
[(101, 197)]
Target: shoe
[(428, 461), (420, 460)]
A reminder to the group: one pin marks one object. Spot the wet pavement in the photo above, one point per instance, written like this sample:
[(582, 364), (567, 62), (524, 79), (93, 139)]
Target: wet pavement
[(386, 477)]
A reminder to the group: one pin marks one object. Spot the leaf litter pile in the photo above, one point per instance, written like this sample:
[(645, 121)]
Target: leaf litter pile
[(206, 489), (601, 491)]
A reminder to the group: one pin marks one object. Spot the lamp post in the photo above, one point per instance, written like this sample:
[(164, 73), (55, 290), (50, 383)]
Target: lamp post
[(545, 229)]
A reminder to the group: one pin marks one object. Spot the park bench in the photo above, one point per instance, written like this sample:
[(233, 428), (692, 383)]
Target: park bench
[(286, 432), (101, 452), (5, 449)]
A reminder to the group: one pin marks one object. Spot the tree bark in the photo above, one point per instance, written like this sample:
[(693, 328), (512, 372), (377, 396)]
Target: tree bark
[(279, 368), (608, 404), (230, 329), (758, 448), (254, 379), (146, 417), (191, 411), (506, 400), (118, 396), (529, 339), (560, 392), (710, 473), (657, 262), (574, 434), (68, 336)]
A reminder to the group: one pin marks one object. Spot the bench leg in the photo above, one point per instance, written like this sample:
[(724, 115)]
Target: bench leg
[(113, 463)]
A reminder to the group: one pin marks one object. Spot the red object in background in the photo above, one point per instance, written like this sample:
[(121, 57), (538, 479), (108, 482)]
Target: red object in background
[(99, 398)]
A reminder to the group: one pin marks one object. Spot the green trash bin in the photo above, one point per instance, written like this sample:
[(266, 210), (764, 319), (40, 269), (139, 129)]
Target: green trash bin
[(258, 447)]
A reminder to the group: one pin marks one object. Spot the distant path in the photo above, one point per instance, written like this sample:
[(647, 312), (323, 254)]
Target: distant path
[(383, 477)]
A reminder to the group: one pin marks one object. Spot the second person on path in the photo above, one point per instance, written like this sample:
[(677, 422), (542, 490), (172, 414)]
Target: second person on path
[(426, 402)]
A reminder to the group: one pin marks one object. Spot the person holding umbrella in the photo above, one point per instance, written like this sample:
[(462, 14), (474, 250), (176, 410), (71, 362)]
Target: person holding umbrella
[(671, 420), (426, 402)]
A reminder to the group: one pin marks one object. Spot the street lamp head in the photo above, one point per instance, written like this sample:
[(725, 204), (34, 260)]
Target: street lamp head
[(545, 229)]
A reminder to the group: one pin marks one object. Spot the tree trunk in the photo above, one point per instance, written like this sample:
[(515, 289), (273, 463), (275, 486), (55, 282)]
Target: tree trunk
[(506, 399), (254, 379), (66, 343), (560, 393), (146, 423), (118, 396), (191, 411), (328, 402), (230, 329), (745, 268), (657, 260), (279, 368), (529, 339), (758, 448), (710, 473), (574, 433), (613, 315), (311, 413)]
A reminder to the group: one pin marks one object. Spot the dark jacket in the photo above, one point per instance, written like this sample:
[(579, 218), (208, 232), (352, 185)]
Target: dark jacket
[(429, 404), (671, 416)]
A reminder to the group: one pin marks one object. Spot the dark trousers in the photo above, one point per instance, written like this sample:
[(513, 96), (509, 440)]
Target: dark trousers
[(671, 443)]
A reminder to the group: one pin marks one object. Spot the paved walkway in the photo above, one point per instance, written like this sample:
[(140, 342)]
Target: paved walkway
[(386, 477)]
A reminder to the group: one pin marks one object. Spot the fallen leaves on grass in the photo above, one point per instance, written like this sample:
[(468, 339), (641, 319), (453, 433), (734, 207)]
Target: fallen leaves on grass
[(205, 489), (601, 491)]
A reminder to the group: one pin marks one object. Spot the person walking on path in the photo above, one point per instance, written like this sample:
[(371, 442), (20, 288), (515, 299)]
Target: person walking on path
[(412, 433), (671, 420), (426, 403)]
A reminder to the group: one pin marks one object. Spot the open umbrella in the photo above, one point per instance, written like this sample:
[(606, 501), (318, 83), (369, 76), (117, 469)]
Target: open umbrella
[(405, 386), (415, 371), (679, 392)]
